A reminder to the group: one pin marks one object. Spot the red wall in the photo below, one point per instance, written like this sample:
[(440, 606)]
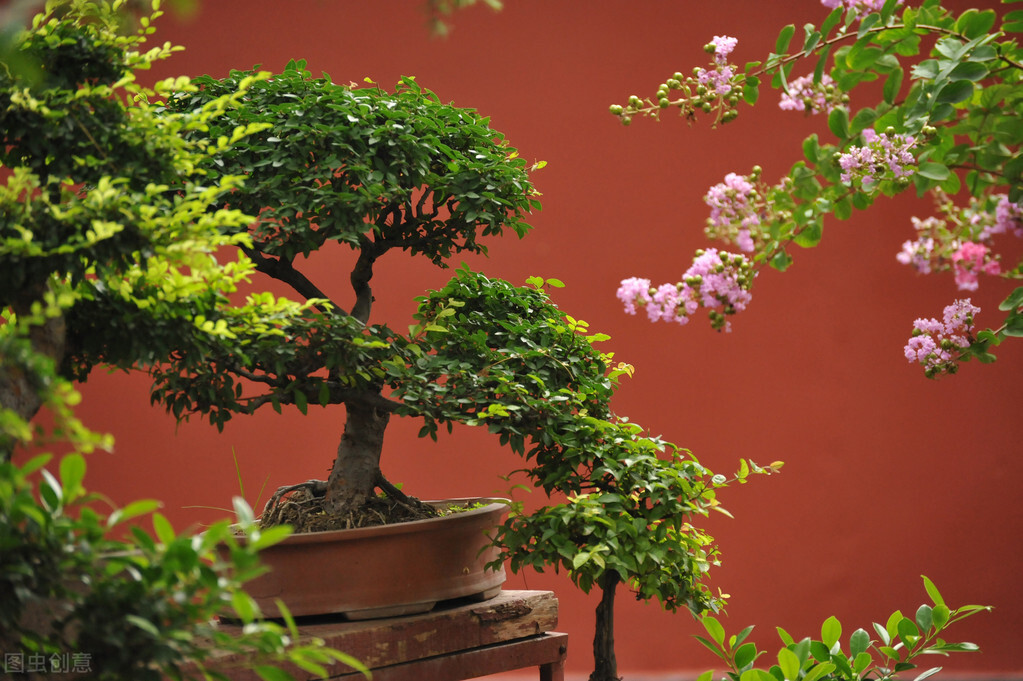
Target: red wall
[(888, 476)]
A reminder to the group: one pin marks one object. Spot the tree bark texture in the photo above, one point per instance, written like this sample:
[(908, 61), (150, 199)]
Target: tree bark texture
[(356, 469), (605, 665), (19, 386)]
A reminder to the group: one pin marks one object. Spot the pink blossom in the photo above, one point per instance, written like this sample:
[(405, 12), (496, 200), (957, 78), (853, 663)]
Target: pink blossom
[(918, 254), (717, 281), (723, 46), (633, 291), (719, 80), (937, 344), (804, 95), (733, 210), (868, 163), (859, 8), (1008, 218), (970, 260)]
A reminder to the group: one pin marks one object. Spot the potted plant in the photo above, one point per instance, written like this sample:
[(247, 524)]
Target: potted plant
[(277, 167), (381, 172)]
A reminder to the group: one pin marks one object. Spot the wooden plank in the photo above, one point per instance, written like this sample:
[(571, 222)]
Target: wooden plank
[(509, 616), (377, 643), (546, 651)]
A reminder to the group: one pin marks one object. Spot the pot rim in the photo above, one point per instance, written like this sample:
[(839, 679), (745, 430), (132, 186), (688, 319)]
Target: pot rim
[(493, 505)]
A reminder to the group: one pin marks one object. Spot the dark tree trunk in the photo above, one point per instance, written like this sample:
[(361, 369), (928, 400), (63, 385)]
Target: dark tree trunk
[(19, 384), (356, 469), (605, 665)]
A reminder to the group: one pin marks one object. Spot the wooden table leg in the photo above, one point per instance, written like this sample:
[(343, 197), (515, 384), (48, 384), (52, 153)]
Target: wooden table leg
[(555, 671)]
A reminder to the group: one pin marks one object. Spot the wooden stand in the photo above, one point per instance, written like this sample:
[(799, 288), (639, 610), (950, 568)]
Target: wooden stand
[(461, 641)]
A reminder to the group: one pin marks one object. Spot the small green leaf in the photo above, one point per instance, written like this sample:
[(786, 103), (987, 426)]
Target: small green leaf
[(831, 631), (789, 664), (714, 628), (933, 171), (930, 672), (144, 624), (162, 527), (1012, 302), (908, 632), (710, 646), (72, 472), (923, 617), (967, 70), (132, 510), (784, 38), (838, 123), (858, 642), (745, 655), (892, 86), (955, 92), (268, 673), (819, 671), (244, 606)]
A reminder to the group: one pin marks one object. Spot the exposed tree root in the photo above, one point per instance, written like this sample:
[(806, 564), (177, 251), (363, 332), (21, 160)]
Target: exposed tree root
[(301, 506)]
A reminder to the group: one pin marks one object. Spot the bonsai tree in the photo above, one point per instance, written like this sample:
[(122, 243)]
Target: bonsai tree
[(379, 172), (946, 125)]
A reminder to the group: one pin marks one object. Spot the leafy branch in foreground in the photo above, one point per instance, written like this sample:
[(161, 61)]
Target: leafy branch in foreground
[(900, 641)]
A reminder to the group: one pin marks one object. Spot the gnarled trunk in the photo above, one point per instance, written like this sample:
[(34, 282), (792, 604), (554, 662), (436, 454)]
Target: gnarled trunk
[(605, 665), (356, 469)]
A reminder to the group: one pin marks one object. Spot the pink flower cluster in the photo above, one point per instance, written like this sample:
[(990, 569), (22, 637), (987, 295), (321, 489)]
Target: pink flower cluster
[(961, 241), (716, 279), (1008, 219), (860, 8), (733, 210), (970, 260), (882, 152), (921, 253), (720, 79), (804, 95), (937, 344)]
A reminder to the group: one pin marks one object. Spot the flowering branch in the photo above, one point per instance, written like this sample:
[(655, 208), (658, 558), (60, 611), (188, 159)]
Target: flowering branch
[(954, 127)]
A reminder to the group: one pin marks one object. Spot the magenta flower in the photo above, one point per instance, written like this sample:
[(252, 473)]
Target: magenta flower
[(970, 260)]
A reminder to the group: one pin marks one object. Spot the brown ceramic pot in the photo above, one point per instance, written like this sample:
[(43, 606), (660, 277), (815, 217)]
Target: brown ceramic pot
[(384, 571)]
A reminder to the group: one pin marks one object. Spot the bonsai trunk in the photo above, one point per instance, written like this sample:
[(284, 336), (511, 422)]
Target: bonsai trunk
[(605, 665), (356, 469)]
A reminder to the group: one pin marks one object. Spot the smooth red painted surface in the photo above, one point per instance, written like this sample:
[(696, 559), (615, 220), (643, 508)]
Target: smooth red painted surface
[(888, 476)]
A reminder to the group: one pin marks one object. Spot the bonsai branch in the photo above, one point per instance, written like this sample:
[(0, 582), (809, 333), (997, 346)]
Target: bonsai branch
[(365, 398), (282, 270)]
